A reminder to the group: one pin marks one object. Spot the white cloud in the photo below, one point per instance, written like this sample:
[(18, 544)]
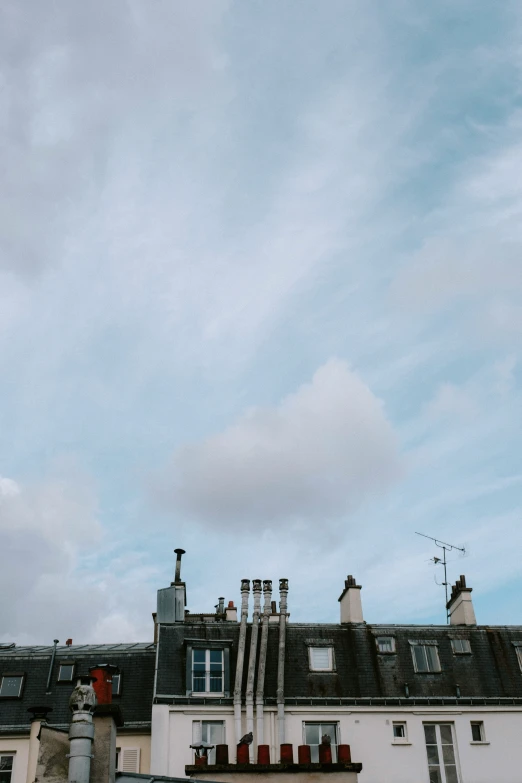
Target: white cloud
[(314, 457), (452, 401)]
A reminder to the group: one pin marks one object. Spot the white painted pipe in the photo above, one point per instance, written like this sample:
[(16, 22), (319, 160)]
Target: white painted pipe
[(260, 692), (249, 700), (245, 589), (283, 592)]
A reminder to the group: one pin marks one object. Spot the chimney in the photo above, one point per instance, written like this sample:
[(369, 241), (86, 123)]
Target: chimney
[(231, 613), (68, 642), (350, 600), (172, 600), (220, 608), (460, 606)]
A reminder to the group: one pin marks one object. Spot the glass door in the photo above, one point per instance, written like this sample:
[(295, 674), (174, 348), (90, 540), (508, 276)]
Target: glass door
[(442, 764)]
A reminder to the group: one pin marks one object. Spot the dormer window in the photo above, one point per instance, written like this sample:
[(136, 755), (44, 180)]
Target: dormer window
[(461, 646), (425, 657), (321, 659), (207, 671), (66, 672), (385, 644)]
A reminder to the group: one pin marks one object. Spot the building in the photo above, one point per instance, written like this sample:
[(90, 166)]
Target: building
[(414, 703)]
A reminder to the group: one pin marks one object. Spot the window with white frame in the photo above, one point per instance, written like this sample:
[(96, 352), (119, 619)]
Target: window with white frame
[(11, 686), (6, 767), (442, 763), (385, 644), (477, 731), (66, 672), (461, 646), (313, 734), (425, 657), (116, 684), (518, 651), (207, 671), (209, 732), (321, 659), (400, 733)]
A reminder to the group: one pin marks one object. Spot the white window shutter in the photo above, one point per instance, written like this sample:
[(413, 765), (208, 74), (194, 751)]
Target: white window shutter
[(130, 760)]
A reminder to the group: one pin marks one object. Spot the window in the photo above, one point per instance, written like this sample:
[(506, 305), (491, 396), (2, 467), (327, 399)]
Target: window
[(442, 765), (425, 657), (477, 731), (130, 759), (399, 732), (116, 684), (313, 734), (321, 659), (66, 672), (385, 644), (518, 651), (207, 671), (118, 758), (461, 646), (6, 767), (11, 686), (209, 732)]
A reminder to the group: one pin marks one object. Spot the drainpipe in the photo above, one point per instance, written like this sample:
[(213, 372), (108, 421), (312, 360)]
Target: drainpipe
[(260, 719), (245, 589), (81, 732), (53, 656), (283, 592), (256, 589)]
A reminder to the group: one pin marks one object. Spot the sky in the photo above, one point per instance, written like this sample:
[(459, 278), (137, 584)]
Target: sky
[(261, 299)]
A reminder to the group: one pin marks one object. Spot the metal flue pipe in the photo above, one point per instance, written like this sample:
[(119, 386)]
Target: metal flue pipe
[(245, 590), (283, 593), (267, 609), (178, 553), (256, 589)]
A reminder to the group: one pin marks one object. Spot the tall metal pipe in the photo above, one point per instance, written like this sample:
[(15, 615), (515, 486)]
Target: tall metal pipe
[(261, 669), (283, 593), (245, 590), (53, 656), (256, 589), (178, 553), (81, 731)]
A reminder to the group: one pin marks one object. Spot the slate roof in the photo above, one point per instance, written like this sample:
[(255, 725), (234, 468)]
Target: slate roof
[(136, 663), (490, 672)]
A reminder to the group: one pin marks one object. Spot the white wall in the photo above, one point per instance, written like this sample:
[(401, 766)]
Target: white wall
[(369, 733), (20, 747)]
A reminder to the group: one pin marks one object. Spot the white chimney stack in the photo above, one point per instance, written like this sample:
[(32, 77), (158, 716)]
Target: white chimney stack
[(350, 600), (460, 605)]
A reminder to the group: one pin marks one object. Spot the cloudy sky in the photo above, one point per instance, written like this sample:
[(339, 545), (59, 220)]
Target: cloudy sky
[(260, 298)]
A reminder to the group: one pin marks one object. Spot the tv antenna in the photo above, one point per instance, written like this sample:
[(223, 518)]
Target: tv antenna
[(436, 560)]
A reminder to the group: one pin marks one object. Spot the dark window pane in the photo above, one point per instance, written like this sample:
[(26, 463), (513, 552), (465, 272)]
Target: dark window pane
[(216, 656), (476, 733), (66, 672), (433, 658), (199, 656), (5, 777), (451, 774), (429, 733), (398, 730), (216, 685), (6, 762), (433, 754), (115, 684), (448, 756), (420, 658), (435, 775), (199, 684), (446, 735), (312, 734), (11, 686)]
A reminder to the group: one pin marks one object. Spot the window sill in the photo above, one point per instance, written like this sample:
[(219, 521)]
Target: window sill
[(323, 671), (481, 742), (400, 743)]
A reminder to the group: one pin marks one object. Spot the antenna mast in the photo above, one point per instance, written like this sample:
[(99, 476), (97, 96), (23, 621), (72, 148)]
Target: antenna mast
[(445, 548)]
